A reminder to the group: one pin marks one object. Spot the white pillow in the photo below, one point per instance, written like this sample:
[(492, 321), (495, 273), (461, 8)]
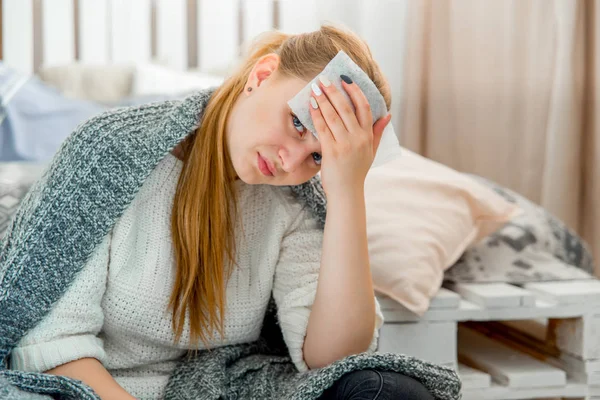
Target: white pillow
[(96, 82), (421, 217), (152, 79)]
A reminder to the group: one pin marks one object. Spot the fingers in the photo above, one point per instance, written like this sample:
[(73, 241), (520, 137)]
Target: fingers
[(334, 116), (328, 112), (323, 132), (335, 105), (364, 115), (381, 123)]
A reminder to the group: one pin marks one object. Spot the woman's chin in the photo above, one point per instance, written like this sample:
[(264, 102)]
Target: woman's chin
[(246, 177)]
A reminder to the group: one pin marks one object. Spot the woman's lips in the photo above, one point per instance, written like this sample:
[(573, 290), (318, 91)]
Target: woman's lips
[(271, 167), (263, 166)]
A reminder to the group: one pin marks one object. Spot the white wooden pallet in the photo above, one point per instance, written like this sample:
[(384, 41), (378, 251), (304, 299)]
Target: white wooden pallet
[(564, 316)]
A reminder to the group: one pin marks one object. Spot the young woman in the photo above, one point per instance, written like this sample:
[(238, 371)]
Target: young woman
[(214, 231)]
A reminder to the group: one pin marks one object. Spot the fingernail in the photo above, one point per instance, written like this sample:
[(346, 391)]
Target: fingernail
[(324, 80), (313, 103), (316, 89), (346, 79)]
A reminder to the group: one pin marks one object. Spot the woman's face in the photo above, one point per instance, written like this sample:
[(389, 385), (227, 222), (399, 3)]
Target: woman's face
[(261, 125)]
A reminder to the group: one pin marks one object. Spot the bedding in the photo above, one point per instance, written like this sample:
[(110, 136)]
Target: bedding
[(421, 216), (99, 83), (15, 181), (35, 118), (533, 247), (153, 79), (108, 84)]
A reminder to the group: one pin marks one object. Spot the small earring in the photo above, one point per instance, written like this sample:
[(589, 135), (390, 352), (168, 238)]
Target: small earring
[(250, 89)]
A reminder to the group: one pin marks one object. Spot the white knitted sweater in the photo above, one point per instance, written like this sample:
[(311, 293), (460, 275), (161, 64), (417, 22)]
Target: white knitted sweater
[(116, 308)]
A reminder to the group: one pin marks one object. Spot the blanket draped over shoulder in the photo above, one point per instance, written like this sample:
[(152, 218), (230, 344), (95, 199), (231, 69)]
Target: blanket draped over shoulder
[(88, 184)]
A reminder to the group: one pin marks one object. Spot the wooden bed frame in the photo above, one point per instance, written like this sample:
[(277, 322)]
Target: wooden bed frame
[(1, 58), (176, 33)]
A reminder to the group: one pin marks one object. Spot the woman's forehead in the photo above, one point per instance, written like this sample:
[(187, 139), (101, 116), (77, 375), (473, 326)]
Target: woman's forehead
[(290, 86)]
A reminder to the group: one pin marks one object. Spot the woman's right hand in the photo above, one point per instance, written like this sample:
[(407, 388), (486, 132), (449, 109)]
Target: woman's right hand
[(91, 372), (349, 140)]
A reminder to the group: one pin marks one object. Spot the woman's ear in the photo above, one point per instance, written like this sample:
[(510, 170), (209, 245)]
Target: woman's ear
[(264, 68)]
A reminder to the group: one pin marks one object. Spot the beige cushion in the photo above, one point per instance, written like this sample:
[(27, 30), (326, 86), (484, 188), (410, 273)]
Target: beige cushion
[(109, 83), (153, 79), (421, 216), (102, 83)]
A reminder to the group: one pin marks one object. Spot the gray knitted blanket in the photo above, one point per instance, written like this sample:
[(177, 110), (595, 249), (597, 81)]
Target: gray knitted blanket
[(88, 184)]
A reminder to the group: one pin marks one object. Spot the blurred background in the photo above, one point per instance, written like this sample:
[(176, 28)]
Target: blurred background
[(505, 89)]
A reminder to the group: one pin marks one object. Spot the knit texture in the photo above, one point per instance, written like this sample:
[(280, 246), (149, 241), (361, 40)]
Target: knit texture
[(122, 293), (72, 208)]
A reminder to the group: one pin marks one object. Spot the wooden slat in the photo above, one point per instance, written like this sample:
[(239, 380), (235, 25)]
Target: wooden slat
[(93, 32), (58, 29), (469, 311), (444, 299), (130, 39), (586, 371), (494, 295), (171, 33), (499, 331), (276, 21), (593, 393), (298, 16), (258, 17), (435, 342), (567, 292), (38, 37), (577, 336), (472, 378), (505, 365), (465, 311), (217, 19), (1, 39), (17, 34), (572, 390), (536, 328), (192, 33), (353, 14)]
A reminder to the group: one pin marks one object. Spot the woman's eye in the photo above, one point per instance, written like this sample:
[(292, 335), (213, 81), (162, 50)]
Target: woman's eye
[(317, 158), (298, 125), (300, 128)]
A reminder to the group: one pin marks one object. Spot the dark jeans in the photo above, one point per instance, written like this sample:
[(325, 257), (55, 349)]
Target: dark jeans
[(370, 384)]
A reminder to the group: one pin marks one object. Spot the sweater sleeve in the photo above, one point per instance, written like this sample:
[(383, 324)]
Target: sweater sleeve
[(68, 332), (295, 284)]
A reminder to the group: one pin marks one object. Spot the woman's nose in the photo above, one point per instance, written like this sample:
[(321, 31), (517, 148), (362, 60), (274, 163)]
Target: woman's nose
[(293, 158)]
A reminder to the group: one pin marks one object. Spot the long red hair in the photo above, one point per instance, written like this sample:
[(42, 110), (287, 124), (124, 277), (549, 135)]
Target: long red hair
[(205, 205)]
